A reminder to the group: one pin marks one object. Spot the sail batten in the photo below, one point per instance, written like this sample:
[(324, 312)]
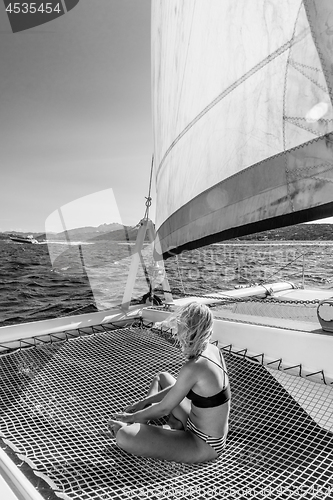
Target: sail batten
[(243, 116)]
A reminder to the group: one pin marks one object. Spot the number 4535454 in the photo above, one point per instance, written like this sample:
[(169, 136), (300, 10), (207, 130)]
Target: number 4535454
[(32, 7)]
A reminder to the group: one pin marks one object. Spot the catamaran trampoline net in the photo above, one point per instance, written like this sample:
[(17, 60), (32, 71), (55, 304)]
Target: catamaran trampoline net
[(56, 400)]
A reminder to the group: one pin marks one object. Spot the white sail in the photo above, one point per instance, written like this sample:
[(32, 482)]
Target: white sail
[(242, 109)]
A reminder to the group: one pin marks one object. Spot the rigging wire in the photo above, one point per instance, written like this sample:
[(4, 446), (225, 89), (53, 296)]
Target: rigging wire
[(150, 295), (258, 282), (288, 264), (303, 254), (148, 198), (179, 274)]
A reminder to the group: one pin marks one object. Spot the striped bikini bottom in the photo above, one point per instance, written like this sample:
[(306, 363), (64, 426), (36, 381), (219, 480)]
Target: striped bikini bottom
[(218, 444)]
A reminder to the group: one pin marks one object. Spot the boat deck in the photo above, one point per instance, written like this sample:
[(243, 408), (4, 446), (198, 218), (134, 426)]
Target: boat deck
[(57, 398)]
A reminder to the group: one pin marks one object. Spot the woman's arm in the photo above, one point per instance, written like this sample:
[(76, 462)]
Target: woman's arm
[(154, 398), (172, 396)]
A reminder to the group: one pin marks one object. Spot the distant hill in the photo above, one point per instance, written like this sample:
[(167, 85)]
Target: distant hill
[(127, 233), (117, 232), (103, 228), (87, 233), (77, 234), (299, 232)]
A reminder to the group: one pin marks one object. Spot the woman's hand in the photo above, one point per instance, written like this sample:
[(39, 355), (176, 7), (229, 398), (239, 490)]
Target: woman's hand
[(139, 405), (127, 418)]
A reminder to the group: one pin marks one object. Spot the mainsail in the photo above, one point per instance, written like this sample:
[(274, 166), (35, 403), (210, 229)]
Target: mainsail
[(243, 120)]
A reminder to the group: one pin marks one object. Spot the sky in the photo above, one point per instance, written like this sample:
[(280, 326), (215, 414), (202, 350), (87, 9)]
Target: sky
[(75, 108), (75, 113)]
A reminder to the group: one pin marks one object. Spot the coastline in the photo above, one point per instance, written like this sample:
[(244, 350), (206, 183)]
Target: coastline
[(299, 232)]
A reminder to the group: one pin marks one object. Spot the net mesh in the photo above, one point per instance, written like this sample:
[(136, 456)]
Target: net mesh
[(266, 312), (56, 399)]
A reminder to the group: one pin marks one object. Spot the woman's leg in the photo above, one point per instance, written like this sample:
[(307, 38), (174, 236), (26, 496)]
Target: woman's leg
[(155, 442), (160, 382), (179, 415)]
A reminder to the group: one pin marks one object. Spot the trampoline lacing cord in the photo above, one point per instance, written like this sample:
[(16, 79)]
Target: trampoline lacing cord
[(224, 297)]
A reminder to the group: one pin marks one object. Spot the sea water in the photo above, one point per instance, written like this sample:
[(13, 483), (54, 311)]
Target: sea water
[(51, 280)]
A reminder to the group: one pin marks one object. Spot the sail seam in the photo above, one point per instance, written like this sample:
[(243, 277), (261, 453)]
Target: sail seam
[(181, 90), (321, 57), (296, 120), (232, 87), (306, 66), (291, 203), (303, 170), (294, 65), (322, 179), (326, 120)]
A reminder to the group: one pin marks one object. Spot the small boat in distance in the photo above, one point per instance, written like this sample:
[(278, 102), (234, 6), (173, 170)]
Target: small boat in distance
[(24, 239)]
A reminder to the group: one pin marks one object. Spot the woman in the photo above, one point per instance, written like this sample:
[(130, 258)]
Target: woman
[(198, 401)]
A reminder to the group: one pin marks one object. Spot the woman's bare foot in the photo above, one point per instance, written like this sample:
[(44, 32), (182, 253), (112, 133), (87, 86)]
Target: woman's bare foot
[(114, 426), (174, 423)]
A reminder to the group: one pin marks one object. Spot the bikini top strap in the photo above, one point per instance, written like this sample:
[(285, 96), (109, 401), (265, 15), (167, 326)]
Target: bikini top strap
[(220, 366), (224, 367)]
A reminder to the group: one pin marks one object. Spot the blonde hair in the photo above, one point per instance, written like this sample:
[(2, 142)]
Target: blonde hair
[(195, 328)]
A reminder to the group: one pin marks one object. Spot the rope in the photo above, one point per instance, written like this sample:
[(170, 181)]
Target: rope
[(225, 298)]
